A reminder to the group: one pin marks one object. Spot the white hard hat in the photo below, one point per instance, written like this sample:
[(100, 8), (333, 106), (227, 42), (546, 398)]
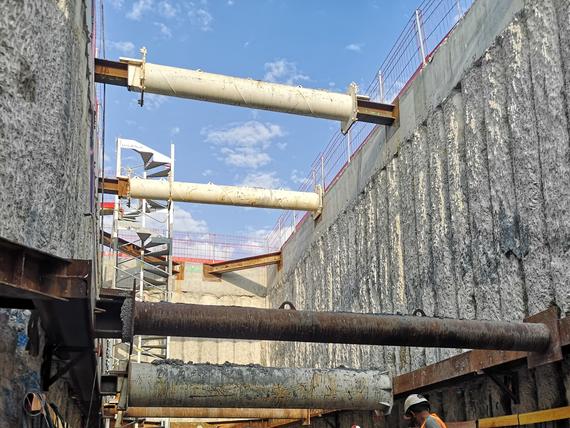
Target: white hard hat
[(413, 400)]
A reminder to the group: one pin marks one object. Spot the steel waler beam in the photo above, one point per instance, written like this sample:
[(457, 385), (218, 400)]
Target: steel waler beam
[(213, 194), (213, 412), (173, 384), (141, 76), (234, 322)]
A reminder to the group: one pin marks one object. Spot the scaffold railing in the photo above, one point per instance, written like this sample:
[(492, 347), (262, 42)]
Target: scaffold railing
[(425, 30)]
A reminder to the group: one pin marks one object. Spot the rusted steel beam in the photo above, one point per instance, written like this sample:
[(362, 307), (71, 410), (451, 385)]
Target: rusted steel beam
[(114, 186), (374, 112), (174, 384), (190, 320), (27, 274), (217, 413), (241, 264), (460, 365), (467, 363), (111, 72)]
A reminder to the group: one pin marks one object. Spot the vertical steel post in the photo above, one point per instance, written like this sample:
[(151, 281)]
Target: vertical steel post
[(420, 33), (170, 283), (116, 210), (348, 146), (459, 9), (380, 86), (314, 174), (141, 273), (323, 172)]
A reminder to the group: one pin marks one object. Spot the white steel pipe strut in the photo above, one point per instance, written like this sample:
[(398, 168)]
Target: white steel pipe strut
[(217, 88), (220, 195)]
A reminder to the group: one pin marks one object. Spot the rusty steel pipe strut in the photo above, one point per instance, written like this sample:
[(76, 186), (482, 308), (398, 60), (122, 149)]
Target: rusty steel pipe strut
[(171, 383), (235, 322)]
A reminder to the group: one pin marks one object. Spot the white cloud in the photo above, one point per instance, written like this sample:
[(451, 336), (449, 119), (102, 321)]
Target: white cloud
[(167, 10), (251, 133), (281, 146), (164, 29), (355, 47), (244, 144), (231, 2), (138, 9), (126, 48), (299, 178), (283, 71), (245, 157), (175, 130), (332, 84), (266, 180), (200, 17), (183, 221), (207, 172)]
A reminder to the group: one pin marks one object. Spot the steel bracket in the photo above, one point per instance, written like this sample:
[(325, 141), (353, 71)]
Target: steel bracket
[(50, 350), (509, 386), (553, 353), (346, 124), (320, 191)]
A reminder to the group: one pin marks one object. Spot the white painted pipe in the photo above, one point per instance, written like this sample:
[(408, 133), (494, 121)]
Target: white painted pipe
[(217, 88), (224, 195)]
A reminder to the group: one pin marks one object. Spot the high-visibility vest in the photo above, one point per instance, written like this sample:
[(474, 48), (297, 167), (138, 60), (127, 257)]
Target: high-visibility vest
[(437, 419)]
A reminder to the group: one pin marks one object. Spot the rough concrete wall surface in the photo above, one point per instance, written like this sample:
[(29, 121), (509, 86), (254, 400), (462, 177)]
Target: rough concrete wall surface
[(44, 152), (45, 125), (470, 216), (243, 288)]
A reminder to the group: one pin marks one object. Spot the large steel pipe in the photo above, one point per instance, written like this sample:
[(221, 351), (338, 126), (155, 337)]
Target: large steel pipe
[(173, 384), (234, 322), (223, 195), (219, 413), (217, 88)]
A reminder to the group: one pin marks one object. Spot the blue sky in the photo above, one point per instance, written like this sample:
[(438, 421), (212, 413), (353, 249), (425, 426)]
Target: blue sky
[(317, 44)]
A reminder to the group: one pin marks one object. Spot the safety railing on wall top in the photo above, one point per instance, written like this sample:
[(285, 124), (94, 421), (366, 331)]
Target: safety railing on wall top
[(426, 28)]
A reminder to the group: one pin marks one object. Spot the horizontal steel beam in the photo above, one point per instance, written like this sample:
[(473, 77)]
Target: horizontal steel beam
[(174, 384), (212, 194), (234, 322), (27, 274), (141, 76), (213, 412), (214, 270)]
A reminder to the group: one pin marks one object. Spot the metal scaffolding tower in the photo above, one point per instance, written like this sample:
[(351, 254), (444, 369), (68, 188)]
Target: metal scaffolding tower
[(142, 257)]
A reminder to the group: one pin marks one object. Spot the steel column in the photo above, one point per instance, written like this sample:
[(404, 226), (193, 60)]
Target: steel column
[(191, 320), (173, 384)]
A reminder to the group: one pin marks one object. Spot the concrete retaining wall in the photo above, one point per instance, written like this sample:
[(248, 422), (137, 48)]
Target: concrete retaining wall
[(463, 211), (45, 135), (242, 288)]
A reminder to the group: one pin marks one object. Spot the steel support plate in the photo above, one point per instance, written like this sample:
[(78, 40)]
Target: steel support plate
[(553, 353)]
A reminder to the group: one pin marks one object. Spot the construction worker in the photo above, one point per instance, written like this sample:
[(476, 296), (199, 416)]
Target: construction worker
[(417, 411)]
